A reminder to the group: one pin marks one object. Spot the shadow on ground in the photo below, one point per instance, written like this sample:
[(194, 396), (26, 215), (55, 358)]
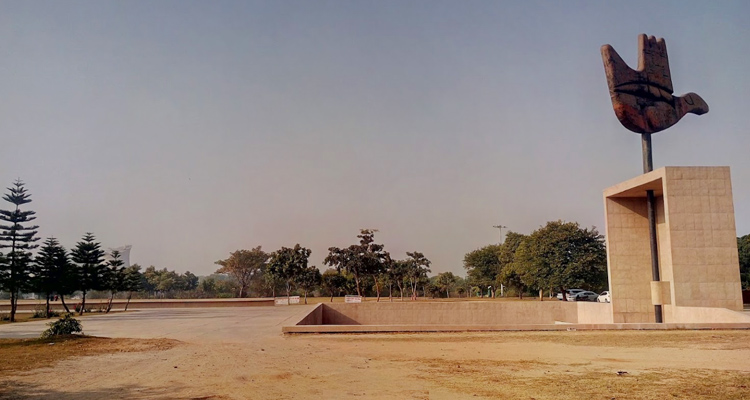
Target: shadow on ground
[(23, 391)]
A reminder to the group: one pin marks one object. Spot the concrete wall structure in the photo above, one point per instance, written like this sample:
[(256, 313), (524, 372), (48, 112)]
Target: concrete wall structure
[(491, 316), (453, 313), (594, 313), (696, 237)]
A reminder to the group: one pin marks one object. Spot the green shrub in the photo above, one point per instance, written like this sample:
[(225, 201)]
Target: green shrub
[(67, 325), (85, 310), (39, 312)]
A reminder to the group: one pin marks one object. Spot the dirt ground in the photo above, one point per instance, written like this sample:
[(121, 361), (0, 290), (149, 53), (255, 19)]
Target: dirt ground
[(234, 354)]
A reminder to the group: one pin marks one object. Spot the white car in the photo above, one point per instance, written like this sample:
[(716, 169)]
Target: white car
[(605, 297), (585, 296), (571, 294)]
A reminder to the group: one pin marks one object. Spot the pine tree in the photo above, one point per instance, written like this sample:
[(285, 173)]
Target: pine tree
[(52, 270), (133, 278), (117, 277), (19, 239), (91, 269)]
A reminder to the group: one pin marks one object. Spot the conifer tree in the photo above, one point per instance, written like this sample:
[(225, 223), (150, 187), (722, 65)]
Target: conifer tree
[(133, 278), (90, 266), (19, 239), (52, 270), (117, 277)]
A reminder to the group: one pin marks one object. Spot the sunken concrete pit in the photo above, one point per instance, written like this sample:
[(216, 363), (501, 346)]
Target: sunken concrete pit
[(426, 316)]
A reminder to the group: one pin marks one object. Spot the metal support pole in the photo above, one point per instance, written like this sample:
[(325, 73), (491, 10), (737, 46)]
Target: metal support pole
[(651, 203), (648, 166), (648, 160), (501, 227)]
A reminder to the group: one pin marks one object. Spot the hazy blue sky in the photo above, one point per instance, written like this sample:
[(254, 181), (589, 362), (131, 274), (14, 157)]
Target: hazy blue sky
[(192, 129)]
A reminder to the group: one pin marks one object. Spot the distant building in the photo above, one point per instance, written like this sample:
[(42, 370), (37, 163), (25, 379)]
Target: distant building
[(124, 254)]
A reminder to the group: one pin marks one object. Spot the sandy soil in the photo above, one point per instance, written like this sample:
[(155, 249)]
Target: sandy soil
[(230, 355)]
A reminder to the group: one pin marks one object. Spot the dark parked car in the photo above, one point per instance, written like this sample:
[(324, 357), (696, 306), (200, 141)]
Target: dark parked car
[(571, 294), (585, 296)]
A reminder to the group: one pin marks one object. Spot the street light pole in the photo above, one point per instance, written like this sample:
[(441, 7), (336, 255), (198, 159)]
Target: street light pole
[(501, 227)]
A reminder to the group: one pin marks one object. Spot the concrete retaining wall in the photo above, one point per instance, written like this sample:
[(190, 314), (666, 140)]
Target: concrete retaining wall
[(492, 316), (708, 315), (31, 305), (594, 313), (451, 313), (314, 317)]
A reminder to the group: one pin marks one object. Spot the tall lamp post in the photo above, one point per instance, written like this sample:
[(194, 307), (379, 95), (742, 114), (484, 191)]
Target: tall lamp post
[(501, 227)]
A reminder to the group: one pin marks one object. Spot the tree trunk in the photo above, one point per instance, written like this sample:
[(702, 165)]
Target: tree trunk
[(83, 303), (128, 303), (48, 306), (541, 295), (356, 281), (390, 292), (242, 290), (305, 296), (65, 306), (377, 287), (13, 302), (447, 294), (109, 306), (331, 296), (288, 300)]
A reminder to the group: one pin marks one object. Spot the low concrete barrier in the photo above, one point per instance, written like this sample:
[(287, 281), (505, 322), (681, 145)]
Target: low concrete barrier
[(482, 316), (509, 327), (450, 313), (594, 313), (708, 315), (138, 304)]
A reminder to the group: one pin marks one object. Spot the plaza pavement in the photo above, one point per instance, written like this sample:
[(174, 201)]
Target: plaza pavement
[(195, 325)]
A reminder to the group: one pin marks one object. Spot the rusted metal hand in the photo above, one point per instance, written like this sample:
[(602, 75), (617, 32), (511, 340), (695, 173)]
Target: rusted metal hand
[(642, 98)]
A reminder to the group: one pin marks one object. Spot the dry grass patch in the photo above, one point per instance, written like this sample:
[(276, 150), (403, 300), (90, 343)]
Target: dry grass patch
[(27, 354), (29, 317), (704, 339), (20, 317), (545, 381)]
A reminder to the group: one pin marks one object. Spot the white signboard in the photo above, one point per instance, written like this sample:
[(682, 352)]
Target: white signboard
[(352, 299), (282, 301)]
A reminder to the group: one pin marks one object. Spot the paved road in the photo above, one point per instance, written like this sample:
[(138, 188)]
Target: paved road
[(195, 325)]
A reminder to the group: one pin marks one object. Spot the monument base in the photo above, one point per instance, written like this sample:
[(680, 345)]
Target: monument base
[(697, 244)]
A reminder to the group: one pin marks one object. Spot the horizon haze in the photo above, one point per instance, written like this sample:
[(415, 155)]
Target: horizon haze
[(192, 129)]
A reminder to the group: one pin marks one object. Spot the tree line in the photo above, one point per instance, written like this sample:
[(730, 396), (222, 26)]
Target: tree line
[(53, 269), (363, 268), (743, 248), (556, 257)]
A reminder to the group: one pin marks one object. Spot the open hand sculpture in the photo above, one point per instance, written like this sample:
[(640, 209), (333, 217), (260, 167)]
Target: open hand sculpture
[(642, 98)]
